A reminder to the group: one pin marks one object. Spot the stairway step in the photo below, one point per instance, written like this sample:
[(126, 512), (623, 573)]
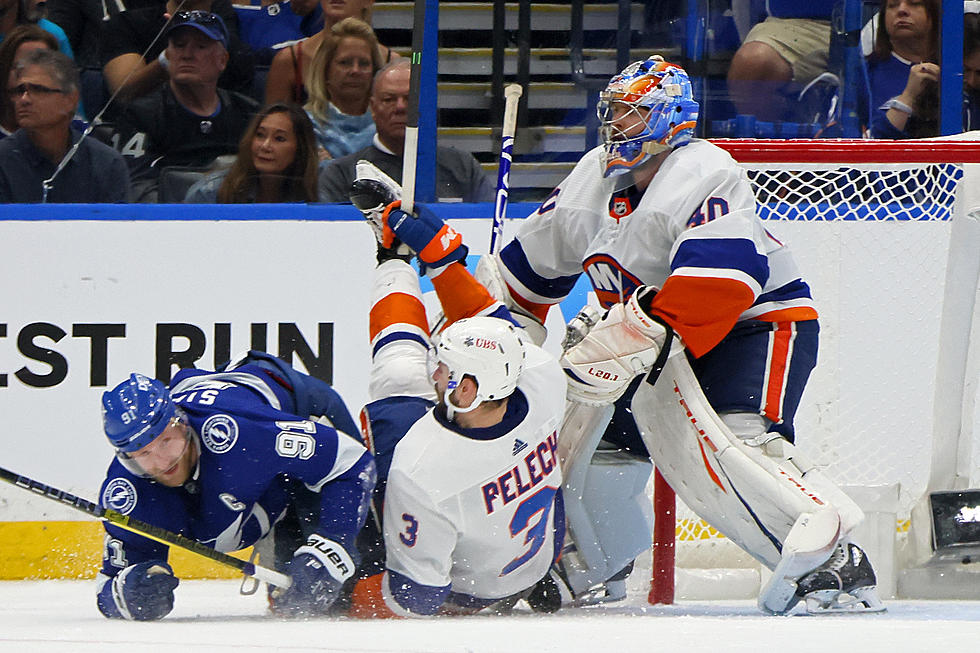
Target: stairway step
[(479, 16), (541, 141), (543, 61), (540, 95), (532, 181)]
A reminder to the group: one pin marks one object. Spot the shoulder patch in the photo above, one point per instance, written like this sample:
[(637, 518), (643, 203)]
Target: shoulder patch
[(219, 433), (119, 495)]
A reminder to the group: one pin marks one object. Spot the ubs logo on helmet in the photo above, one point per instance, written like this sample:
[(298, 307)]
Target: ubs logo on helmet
[(119, 495), (219, 433), (482, 343)]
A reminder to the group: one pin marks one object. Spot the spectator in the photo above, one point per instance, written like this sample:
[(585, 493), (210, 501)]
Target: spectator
[(132, 56), (903, 76), (189, 121), (339, 84), (971, 71), (458, 175), (21, 40), (276, 162), (287, 73), (779, 57), (83, 20), (45, 98), (21, 12), (267, 26)]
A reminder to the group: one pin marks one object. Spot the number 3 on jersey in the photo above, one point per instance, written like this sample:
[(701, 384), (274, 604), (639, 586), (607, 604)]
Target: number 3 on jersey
[(540, 504)]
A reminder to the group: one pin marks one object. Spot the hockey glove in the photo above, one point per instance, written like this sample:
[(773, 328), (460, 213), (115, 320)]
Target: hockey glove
[(434, 242), (318, 570), (623, 344), (145, 592)]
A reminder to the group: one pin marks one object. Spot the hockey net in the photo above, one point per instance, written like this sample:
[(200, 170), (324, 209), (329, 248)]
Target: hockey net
[(871, 226)]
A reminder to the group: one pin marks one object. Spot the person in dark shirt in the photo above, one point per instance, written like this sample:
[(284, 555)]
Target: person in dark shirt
[(189, 121), (127, 35), (45, 96), (458, 175)]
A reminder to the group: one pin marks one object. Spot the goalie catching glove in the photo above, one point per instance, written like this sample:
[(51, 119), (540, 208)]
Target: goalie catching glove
[(318, 570), (623, 344)]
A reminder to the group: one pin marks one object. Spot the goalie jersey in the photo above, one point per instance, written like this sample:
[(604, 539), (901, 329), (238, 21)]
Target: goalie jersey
[(470, 516), (251, 451), (693, 233)]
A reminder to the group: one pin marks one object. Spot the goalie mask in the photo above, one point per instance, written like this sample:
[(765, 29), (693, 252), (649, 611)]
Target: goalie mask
[(488, 349), (646, 109), (150, 434)]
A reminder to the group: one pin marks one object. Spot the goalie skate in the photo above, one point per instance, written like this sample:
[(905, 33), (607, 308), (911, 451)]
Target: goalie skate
[(845, 583), (371, 192)]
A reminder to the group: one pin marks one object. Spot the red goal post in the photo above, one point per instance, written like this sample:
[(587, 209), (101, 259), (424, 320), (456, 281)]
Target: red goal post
[(887, 233)]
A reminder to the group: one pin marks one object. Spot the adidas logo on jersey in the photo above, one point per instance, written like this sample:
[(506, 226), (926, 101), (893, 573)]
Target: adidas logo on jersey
[(519, 446)]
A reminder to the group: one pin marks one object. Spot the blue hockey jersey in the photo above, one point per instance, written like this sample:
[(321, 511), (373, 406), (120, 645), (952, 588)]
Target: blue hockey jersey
[(251, 451)]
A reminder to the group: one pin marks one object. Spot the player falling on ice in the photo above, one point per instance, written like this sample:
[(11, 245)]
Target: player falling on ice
[(664, 225), (222, 458), (464, 431)]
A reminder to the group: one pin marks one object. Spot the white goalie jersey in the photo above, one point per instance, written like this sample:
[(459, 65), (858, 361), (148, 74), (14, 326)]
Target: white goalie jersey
[(482, 528)]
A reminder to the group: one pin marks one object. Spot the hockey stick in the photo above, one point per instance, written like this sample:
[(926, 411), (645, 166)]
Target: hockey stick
[(410, 154), (512, 94), (146, 530)]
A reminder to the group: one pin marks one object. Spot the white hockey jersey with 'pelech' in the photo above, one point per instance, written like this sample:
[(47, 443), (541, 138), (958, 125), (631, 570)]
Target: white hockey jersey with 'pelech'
[(484, 526), (693, 233)]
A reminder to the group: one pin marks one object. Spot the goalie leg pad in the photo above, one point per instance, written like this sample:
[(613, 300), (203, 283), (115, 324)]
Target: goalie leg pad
[(746, 495), (808, 545), (608, 515), (610, 519)]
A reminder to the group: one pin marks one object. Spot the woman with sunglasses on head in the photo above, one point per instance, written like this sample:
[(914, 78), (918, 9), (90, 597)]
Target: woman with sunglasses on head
[(276, 162), (286, 81)]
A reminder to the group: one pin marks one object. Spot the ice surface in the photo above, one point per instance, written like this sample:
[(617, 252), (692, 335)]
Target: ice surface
[(61, 616)]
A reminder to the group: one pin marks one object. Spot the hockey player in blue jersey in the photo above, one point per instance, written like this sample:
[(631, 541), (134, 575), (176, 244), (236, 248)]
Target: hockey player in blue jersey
[(220, 457), (464, 429)]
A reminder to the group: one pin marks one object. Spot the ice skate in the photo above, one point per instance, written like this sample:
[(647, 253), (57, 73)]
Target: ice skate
[(371, 192), (845, 583)]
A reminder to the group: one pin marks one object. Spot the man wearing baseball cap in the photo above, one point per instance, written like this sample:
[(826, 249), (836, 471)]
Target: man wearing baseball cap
[(189, 121), (132, 60)]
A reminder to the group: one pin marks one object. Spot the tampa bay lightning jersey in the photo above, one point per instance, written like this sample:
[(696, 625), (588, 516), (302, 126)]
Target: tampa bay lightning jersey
[(250, 451), (692, 232)]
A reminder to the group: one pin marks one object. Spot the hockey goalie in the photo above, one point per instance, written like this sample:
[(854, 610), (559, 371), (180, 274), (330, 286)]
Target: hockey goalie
[(707, 341)]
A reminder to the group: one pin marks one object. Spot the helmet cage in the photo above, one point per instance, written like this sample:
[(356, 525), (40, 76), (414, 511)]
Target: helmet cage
[(657, 95)]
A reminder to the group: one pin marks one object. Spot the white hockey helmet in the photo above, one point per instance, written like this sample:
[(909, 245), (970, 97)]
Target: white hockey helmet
[(663, 90), (489, 349)]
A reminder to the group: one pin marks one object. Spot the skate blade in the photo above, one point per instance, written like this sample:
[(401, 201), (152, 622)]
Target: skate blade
[(863, 599)]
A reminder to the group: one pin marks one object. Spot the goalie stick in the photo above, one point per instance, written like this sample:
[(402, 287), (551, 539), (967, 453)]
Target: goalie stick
[(512, 93), (146, 530)]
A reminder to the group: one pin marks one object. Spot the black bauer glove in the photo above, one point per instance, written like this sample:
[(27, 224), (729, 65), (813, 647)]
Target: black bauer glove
[(318, 570)]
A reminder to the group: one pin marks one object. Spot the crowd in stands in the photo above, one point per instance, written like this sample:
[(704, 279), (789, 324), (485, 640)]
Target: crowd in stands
[(175, 90)]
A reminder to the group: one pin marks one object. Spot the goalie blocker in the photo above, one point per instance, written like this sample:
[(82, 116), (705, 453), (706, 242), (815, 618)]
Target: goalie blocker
[(760, 493)]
